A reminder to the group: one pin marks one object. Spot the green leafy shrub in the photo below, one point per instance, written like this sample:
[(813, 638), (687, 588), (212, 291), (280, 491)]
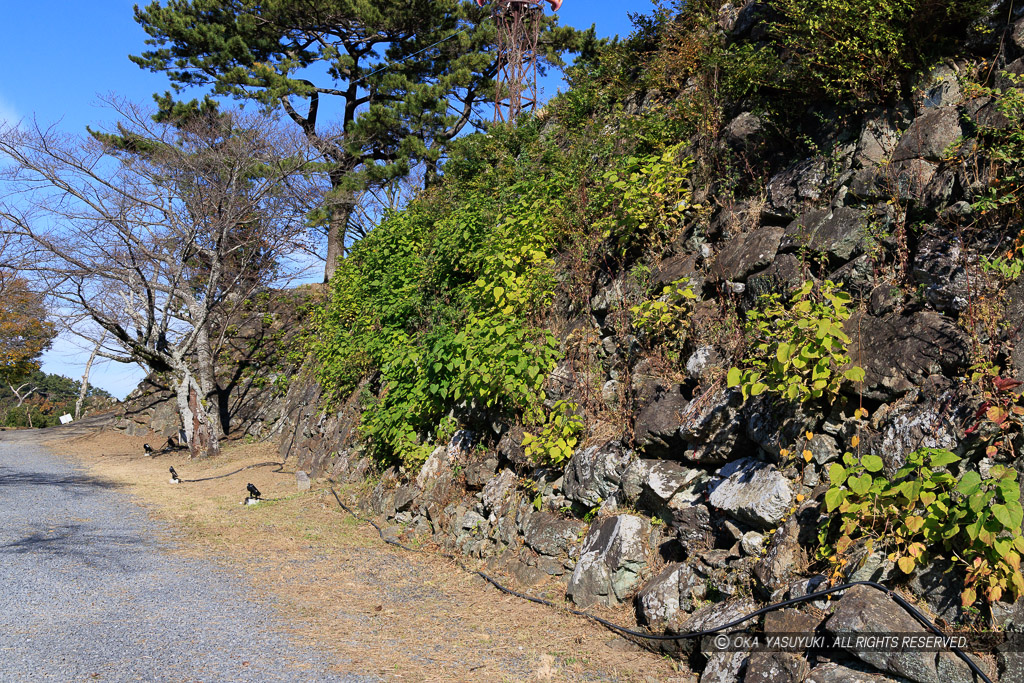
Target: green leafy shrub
[(798, 350), (653, 195), (867, 50), (664, 319), (558, 436), (442, 305), (999, 420), (1008, 267), (923, 510)]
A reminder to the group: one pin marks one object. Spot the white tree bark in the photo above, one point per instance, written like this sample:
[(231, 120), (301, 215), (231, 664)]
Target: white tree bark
[(85, 378)]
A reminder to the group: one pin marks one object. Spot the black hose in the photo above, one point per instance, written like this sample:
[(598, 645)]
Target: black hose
[(280, 467), (914, 612)]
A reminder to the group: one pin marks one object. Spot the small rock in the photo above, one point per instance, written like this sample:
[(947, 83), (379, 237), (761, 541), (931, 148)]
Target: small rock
[(302, 482), (752, 543), (748, 253), (671, 591), (498, 490), (713, 427), (752, 492), (550, 535), (776, 667), (831, 672), (702, 360), (595, 473), (724, 667), (610, 392), (480, 471), (669, 484), (783, 559), (613, 556)]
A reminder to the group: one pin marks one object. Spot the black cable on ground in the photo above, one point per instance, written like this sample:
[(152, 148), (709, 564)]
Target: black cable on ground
[(280, 467), (622, 630)]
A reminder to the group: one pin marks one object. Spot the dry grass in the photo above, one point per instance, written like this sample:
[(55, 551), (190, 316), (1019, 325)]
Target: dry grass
[(374, 609)]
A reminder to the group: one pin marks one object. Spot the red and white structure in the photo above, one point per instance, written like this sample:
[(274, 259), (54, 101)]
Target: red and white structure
[(518, 23)]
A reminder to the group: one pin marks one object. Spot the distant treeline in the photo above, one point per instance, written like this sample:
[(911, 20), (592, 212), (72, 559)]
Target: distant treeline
[(41, 398)]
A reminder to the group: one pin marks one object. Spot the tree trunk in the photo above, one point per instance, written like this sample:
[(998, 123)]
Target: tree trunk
[(210, 391), (202, 440), (85, 380), (338, 233)]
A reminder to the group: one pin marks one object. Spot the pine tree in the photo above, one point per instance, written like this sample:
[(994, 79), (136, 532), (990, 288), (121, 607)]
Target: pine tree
[(405, 76)]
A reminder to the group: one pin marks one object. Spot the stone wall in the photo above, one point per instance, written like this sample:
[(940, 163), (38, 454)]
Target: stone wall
[(689, 508)]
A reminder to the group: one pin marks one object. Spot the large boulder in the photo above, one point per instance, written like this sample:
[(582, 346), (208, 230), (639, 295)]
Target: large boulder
[(841, 232), (899, 351), (748, 253), (930, 135), (865, 610), (612, 561), (595, 474), (752, 492)]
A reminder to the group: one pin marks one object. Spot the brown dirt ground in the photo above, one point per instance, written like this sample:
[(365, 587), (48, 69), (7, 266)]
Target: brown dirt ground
[(384, 611)]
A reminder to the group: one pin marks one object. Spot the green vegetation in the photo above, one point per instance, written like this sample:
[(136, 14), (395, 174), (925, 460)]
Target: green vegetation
[(42, 398), (798, 350), (923, 510), (447, 306), (558, 436), (865, 50), (444, 299), (655, 196), (405, 75), (664, 319)]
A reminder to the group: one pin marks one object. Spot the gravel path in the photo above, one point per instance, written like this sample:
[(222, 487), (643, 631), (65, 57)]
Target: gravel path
[(90, 591)]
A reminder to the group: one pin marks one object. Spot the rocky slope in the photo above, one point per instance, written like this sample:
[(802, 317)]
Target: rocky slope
[(701, 505)]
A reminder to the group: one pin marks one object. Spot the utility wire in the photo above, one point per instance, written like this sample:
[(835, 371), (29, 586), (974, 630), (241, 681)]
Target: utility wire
[(913, 611), (388, 66)]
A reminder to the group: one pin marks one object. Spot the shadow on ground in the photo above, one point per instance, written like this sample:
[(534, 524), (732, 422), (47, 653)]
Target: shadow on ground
[(68, 483), (74, 542)]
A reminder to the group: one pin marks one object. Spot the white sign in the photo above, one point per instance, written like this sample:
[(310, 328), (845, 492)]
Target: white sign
[(64, 419)]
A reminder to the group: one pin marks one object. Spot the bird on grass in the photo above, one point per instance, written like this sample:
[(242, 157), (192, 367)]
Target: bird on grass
[(254, 492), (174, 477), (149, 449)]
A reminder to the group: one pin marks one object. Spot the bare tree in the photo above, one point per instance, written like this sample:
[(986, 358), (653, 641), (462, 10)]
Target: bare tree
[(156, 233), (84, 391)]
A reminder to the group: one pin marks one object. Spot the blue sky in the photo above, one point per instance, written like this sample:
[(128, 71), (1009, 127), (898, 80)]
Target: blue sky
[(60, 57)]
